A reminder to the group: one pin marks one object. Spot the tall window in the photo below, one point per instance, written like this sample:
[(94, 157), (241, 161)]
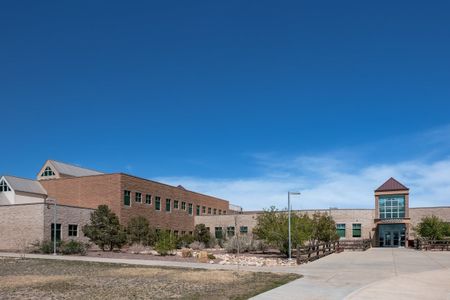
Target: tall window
[(243, 230), (209, 210), (73, 230), (340, 229), (138, 197), (48, 172), (391, 207), (190, 208), (58, 232), (204, 210), (175, 204), (157, 203), (197, 210), (220, 211), (356, 230), (183, 205), (126, 198), (167, 204), (4, 187), (218, 232), (215, 211), (148, 199), (230, 231)]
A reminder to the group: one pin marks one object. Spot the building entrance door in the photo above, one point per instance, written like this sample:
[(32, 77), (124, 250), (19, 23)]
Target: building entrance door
[(392, 235)]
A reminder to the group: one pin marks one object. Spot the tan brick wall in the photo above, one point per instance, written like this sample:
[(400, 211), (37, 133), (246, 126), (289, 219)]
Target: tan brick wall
[(365, 217), (418, 213), (66, 215), (21, 225)]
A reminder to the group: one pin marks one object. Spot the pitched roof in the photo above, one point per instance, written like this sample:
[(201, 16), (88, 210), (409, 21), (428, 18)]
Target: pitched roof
[(71, 170), (25, 185), (391, 185)]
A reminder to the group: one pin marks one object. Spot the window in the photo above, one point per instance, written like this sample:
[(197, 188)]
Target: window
[(73, 230), (175, 204), (209, 210), (138, 197), (197, 210), (190, 233), (175, 233), (356, 230), (48, 172), (58, 232), (126, 198), (340, 230), (157, 203), (183, 232), (4, 187), (218, 232), (215, 211), (224, 212), (243, 230), (230, 231), (148, 199), (220, 211), (183, 205), (168, 205), (391, 207), (204, 210), (190, 208)]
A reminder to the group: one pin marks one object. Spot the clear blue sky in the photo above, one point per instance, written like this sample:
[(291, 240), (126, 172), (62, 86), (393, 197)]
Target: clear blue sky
[(217, 91)]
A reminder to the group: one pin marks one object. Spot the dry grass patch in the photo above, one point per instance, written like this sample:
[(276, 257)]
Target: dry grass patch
[(53, 279)]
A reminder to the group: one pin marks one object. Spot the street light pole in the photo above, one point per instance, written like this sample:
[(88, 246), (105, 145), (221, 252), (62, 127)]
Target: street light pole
[(289, 221), (54, 227)]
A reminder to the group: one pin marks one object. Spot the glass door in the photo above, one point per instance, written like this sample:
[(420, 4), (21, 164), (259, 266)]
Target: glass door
[(387, 239)]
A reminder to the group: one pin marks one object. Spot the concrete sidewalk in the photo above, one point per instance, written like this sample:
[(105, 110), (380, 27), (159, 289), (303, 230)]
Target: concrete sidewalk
[(357, 274)]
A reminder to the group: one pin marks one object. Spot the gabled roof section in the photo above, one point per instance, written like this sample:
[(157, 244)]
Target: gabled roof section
[(391, 185), (56, 169), (25, 185)]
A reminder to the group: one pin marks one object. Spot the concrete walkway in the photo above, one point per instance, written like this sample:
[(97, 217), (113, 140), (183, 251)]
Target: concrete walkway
[(378, 273)]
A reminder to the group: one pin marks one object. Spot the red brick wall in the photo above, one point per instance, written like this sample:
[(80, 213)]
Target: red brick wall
[(91, 191)]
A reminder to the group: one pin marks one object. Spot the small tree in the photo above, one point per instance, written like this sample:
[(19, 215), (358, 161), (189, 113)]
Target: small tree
[(323, 228), (202, 234), (166, 243), (432, 227), (138, 230), (272, 227), (105, 230)]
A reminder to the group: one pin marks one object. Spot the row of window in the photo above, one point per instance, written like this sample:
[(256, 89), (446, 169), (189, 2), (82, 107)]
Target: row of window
[(169, 206), (356, 230), (72, 231), (230, 231)]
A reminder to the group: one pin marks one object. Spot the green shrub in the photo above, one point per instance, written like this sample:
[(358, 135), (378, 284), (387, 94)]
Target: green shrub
[(45, 247), (241, 244), (74, 247), (434, 228), (184, 241), (166, 243), (202, 234), (138, 231)]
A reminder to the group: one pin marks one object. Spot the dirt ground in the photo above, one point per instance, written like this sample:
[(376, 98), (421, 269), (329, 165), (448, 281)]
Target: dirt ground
[(51, 279)]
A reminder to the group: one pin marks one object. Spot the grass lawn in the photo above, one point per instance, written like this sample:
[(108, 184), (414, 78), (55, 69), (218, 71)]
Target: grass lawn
[(54, 279)]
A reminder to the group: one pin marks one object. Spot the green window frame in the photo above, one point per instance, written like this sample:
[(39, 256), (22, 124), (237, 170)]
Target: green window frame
[(73, 230), (168, 208), (4, 187), (183, 205), (230, 231), (127, 198), (204, 210), (175, 204), (148, 199), (197, 210), (138, 197), (218, 232), (209, 210), (157, 203), (243, 229), (215, 211), (48, 172), (340, 230), (58, 231), (190, 209), (391, 207), (356, 230)]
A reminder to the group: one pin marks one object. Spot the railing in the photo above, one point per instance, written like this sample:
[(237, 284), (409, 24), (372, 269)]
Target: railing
[(426, 244), (361, 244), (315, 251)]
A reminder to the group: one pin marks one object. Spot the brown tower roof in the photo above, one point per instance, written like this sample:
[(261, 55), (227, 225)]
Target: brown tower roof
[(391, 185)]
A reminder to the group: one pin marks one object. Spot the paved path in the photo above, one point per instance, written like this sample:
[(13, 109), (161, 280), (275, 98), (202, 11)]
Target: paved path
[(378, 273)]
